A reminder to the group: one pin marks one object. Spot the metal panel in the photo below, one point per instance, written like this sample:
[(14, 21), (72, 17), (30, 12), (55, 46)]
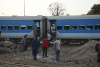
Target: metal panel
[(41, 30), (48, 26), (73, 17), (77, 35)]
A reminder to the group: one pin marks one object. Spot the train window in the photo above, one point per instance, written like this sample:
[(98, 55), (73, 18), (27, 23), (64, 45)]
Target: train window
[(3, 27), (10, 27), (59, 27), (16, 27), (89, 27), (74, 27), (66, 27), (81, 27), (29, 27), (97, 27), (23, 27)]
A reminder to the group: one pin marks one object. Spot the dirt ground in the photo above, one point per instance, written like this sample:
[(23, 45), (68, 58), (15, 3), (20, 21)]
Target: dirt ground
[(70, 56)]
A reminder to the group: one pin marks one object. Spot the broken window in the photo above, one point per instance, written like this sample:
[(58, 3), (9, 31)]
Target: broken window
[(16, 27), (59, 27), (3, 27), (82, 27), (66, 27), (29, 27), (89, 27), (10, 27), (23, 27), (74, 27), (97, 27)]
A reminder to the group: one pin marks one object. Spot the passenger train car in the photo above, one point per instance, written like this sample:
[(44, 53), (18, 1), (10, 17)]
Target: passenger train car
[(77, 28), (67, 28)]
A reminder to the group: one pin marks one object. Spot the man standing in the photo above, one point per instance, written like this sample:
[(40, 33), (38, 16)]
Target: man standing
[(57, 49), (35, 46), (49, 38), (44, 46), (98, 50), (26, 42)]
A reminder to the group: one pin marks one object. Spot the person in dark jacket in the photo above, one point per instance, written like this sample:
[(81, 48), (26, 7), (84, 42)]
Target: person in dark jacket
[(97, 47), (35, 46), (26, 42), (44, 46)]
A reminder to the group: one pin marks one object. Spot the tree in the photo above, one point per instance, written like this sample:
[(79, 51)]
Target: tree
[(57, 9), (95, 10)]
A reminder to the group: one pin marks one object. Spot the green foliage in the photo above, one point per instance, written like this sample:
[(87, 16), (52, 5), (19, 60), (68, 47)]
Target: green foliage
[(95, 10)]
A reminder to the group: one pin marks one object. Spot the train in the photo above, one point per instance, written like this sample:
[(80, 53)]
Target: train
[(70, 29)]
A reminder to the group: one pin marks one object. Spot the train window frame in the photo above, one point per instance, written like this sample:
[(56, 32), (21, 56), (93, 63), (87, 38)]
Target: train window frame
[(16, 25), (28, 27), (3, 25), (59, 25), (98, 27), (23, 26), (74, 27), (88, 28), (82, 27), (66, 26), (9, 27)]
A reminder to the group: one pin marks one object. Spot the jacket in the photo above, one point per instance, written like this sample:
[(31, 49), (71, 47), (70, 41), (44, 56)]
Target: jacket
[(45, 42), (35, 44)]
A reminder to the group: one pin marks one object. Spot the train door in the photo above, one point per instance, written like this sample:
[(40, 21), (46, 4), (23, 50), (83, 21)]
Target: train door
[(53, 29), (34, 31), (44, 26), (36, 28)]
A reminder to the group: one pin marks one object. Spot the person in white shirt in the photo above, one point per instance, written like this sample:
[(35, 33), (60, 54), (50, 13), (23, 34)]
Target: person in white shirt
[(57, 45), (49, 38)]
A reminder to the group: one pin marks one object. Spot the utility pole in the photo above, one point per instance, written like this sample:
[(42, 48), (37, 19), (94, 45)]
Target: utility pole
[(24, 7), (57, 10)]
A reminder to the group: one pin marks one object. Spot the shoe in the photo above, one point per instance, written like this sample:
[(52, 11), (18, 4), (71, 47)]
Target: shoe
[(56, 61), (33, 58), (46, 56)]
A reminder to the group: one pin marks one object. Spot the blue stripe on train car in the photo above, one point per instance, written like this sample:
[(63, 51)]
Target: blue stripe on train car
[(78, 22)]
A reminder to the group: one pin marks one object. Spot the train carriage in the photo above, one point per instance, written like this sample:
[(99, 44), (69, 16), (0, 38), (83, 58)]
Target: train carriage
[(15, 28), (76, 28), (67, 28)]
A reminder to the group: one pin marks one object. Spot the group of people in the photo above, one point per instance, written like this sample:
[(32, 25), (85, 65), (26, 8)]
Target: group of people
[(45, 45)]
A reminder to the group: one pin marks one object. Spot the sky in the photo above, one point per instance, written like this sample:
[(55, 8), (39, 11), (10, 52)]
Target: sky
[(40, 7)]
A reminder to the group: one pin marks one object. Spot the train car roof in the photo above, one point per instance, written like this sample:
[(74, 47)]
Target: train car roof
[(49, 17), (20, 17), (74, 17)]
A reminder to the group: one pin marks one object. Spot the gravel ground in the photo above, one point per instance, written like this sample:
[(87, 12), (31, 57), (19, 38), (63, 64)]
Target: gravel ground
[(70, 56)]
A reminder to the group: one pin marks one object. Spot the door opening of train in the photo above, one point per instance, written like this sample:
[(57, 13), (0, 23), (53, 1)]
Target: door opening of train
[(52, 29)]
